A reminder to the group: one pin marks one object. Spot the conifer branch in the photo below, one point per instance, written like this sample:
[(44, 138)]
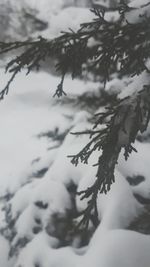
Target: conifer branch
[(118, 46), (124, 121)]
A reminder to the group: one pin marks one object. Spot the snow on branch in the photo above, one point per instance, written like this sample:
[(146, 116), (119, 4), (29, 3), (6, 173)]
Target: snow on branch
[(123, 121)]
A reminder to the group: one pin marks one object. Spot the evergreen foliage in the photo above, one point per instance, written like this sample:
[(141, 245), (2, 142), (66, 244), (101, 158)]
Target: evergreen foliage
[(103, 47)]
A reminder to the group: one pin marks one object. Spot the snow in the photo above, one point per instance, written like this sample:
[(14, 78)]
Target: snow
[(4, 250), (64, 171), (68, 18), (56, 200), (111, 246), (25, 106), (39, 252), (28, 103), (139, 9), (118, 248), (29, 111), (21, 199), (135, 84), (117, 208)]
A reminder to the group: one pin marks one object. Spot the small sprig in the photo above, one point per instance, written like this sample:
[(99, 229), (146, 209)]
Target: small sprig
[(59, 91)]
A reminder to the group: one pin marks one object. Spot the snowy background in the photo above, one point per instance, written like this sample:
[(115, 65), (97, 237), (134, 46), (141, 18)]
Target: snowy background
[(38, 184)]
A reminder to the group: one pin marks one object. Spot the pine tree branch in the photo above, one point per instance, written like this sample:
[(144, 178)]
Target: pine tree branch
[(125, 119), (119, 46)]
